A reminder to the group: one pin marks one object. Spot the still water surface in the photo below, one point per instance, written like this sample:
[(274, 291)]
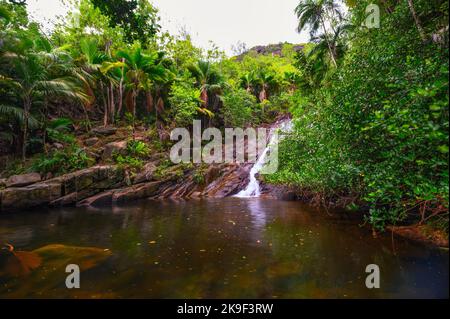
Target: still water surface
[(224, 248)]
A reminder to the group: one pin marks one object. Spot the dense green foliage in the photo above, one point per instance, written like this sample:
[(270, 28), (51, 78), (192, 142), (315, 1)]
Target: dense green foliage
[(370, 105), (375, 129)]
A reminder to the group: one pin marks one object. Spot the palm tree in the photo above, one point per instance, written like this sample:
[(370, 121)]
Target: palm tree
[(248, 80), (208, 80), (266, 80), (316, 14), (32, 79), (96, 68), (141, 70), (321, 49)]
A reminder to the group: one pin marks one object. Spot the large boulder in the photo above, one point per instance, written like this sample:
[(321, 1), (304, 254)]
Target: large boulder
[(23, 180), (114, 148), (16, 198)]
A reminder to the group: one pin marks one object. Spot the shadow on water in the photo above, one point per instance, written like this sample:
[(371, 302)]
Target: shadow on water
[(227, 248)]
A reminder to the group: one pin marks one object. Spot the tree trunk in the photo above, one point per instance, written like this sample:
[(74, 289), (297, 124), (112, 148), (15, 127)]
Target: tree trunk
[(417, 21), (119, 111), (333, 58), (112, 110), (106, 106), (45, 125), (26, 117)]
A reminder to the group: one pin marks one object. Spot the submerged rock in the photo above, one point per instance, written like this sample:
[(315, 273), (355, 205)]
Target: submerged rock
[(23, 180), (49, 263)]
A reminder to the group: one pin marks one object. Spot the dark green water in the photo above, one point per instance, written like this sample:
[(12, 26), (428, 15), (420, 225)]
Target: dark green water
[(227, 248)]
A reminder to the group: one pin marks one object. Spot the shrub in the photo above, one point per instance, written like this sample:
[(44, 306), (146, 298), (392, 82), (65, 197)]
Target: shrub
[(239, 108)]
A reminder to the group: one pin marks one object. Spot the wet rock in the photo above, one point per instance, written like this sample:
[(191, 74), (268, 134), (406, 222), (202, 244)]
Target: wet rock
[(233, 178), (99, 200), (23, 180), (196, 195), (136, 192), (114, 147), (91, 141), (104, 131)]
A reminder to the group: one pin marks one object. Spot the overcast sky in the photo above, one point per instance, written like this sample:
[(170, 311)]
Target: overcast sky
[(225, 22)]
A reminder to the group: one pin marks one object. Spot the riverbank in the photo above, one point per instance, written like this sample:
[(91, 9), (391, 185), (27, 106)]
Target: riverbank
[(113, 183)]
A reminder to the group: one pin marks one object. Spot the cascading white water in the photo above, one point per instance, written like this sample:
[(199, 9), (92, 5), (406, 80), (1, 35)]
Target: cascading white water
[(253, 188)]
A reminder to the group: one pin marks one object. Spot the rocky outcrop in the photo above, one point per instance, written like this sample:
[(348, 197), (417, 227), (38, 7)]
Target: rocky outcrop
[(105, 185), (23, 180), (64, 190), (15, 198)]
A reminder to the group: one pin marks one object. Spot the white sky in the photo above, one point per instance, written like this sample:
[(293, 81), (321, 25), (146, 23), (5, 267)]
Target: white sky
[(225, 22)]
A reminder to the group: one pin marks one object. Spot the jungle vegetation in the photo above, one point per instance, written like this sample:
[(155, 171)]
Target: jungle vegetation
[(370, 104)]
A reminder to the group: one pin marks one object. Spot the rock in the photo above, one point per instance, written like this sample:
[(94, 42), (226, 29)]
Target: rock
[(114, 147), (146, 174), (15, 198), (104, 131), (99, 200), (233, 178), (212, 174), (23, 180), (91, 141), (58, 146), (136, 192), (196, 195)]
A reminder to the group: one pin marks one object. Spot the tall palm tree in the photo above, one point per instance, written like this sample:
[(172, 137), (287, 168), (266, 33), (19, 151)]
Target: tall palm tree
[(208, 80), (317, 14), (141, 70), (321, 49), (97, 69)]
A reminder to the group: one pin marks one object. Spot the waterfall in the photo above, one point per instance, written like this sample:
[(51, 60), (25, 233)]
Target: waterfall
[(253, 188)]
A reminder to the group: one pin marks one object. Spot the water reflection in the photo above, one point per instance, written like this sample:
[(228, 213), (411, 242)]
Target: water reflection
[(232, 248)]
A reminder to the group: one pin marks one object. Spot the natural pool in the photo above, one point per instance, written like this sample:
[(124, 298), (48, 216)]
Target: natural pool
[(215, 248)]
